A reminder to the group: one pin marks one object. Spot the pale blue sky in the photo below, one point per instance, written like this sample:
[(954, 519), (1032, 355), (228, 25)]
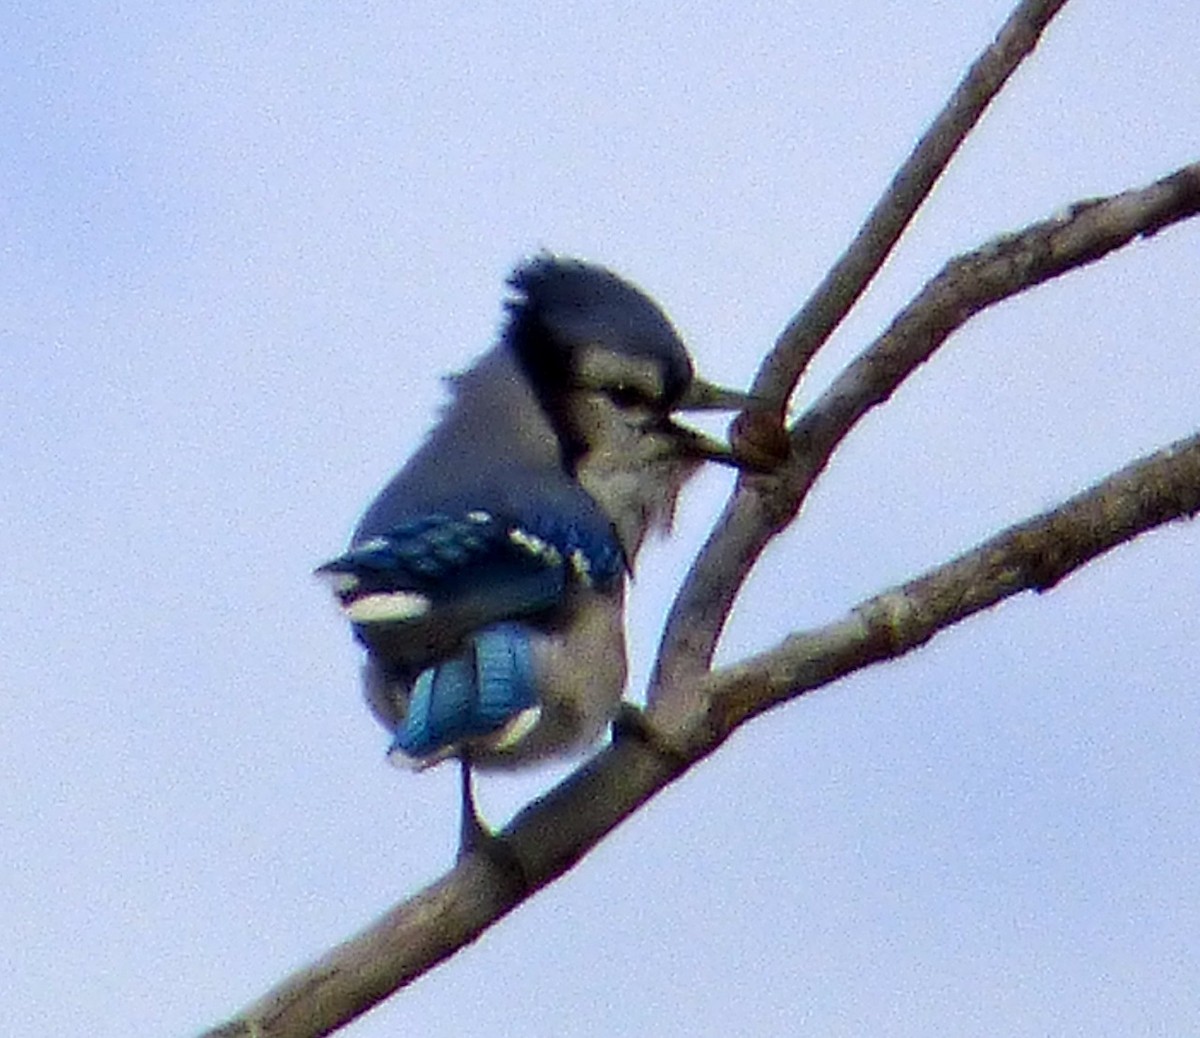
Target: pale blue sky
[(241, 243)]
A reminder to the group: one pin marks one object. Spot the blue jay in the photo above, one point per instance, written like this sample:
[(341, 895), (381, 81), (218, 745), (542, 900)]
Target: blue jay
[(487, 580)]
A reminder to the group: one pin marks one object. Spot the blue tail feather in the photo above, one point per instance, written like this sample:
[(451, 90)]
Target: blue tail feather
[(472, 695)]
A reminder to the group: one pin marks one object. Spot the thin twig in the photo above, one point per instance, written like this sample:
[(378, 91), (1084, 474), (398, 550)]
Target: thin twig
[(849, 277), (1002, 268)]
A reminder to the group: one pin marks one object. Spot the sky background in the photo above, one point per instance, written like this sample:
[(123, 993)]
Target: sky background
[(241, 243)]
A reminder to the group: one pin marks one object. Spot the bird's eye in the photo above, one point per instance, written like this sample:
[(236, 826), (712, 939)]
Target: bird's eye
[(628, 396)]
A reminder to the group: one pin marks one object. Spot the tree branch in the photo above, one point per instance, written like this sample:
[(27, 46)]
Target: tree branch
[(548, 837), (763, 505), (849, 277), (1008, 265), (1035, 555)]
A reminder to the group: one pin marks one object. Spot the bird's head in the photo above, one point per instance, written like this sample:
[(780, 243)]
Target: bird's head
[(611, 374)]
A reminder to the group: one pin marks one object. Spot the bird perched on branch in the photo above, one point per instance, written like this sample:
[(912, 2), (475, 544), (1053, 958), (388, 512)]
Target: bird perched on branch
[(487, 580)]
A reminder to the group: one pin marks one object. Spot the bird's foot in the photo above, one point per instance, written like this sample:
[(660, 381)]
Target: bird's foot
[(477, 840)]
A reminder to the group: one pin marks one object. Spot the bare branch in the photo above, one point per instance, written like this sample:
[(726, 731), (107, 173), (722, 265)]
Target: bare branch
[(551, 835), (1034, 555), (849, 277), (763, 505), (542, 842), (1086, 232)]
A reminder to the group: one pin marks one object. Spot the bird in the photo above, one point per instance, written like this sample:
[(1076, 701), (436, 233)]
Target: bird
[(487, 580)]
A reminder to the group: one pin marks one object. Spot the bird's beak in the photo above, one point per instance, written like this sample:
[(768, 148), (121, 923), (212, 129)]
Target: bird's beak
[(706, 396), (693, 443)]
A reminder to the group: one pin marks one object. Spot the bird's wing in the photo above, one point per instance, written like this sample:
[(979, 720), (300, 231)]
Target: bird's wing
[(434, 599), (464, 571)]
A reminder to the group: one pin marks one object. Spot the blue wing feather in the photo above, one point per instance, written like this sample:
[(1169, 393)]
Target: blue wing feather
[(447, 557)]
